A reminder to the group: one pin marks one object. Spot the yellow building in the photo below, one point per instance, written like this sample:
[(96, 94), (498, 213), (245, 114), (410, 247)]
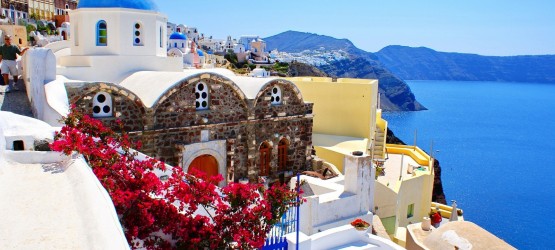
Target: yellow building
[(346, 119), (345, 111), (404, 191), (43, 9)]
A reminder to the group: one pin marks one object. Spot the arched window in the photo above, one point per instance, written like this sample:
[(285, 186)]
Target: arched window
[(102, 105), (138, 34), (202, 96), (264, 164), (101, 33), (282, 154), (276, 96)]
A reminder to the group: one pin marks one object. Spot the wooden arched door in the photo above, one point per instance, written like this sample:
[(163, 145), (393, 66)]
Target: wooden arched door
[(206, 164), (264, 163)]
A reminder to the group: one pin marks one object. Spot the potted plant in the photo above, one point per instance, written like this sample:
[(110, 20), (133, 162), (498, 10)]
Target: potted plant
[(360, 225)]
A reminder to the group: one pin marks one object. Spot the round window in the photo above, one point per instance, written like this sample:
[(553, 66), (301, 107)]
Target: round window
[(202, 96), (276, 96)]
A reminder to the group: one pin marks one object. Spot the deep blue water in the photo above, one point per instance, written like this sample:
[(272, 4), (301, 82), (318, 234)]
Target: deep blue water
[(496, 145)]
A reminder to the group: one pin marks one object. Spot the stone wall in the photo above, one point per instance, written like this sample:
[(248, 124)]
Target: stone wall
[(292, 103), (125, 105), (173, 123), (243, 142), (177, 109)]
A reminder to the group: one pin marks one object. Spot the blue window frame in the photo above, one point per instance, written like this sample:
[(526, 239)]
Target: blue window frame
[(101, 33)]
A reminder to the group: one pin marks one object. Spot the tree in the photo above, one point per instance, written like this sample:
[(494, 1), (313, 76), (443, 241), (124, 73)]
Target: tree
[(231, 57), (163, 214), (34, 16)]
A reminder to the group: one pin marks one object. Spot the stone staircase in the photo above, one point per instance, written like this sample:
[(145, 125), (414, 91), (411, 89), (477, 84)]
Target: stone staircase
[(379, 143)]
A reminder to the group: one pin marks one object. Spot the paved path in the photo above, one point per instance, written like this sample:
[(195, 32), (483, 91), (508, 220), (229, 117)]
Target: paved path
[(15, 101), (58, 205)]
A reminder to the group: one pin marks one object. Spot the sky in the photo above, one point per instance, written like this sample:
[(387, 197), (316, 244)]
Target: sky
[(486, 27)]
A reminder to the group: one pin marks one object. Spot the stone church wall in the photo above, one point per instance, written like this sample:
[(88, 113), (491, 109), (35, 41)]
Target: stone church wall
[(167, 129)]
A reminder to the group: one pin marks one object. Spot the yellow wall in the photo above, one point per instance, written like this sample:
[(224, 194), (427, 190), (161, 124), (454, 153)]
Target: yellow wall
[(18, 33), (333, 157), (381, 126), (346, 107), (415, 153), (385, 198), (415, 190), (44, 8)]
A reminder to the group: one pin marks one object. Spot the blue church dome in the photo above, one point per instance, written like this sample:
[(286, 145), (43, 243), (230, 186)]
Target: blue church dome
[(200, 53), (178, 36), (129, 4)]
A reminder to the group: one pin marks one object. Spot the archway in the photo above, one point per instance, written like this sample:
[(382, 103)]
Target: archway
[(64, 35), (207, 164)]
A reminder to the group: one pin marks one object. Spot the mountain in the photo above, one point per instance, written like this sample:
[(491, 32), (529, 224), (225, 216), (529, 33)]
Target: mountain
[(294, 41), (360, 64), (427, 64), (302, 69)]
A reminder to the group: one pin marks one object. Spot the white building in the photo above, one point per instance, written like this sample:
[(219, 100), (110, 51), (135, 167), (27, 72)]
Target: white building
[(191, 32), (260, 73), (111, 39), (229, 44), (211, 44), (49, 200), (13, 14), (172, 27), (178, 41), (246, 40)]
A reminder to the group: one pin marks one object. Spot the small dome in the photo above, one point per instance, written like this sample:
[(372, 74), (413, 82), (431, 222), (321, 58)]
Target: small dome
[(178, 36), (200, 53), (129, 4)]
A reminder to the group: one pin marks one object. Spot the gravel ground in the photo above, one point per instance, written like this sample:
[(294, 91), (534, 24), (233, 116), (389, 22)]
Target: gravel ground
[(15, 101)]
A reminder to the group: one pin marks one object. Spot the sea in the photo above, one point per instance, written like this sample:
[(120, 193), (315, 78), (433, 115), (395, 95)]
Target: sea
[(496, 145)]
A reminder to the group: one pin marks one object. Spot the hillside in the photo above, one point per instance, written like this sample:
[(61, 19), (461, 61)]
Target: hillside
[(361, 64), (302, 69), (426, 64), (293, 41)]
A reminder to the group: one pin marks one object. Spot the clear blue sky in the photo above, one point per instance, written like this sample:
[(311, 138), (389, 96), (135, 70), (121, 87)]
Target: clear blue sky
[(488, 27)]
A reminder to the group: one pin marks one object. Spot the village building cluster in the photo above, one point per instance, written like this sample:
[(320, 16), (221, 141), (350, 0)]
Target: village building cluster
[(123, 60)]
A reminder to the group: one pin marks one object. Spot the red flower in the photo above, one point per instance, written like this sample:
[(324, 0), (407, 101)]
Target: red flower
[(360, 223), (163, 214)]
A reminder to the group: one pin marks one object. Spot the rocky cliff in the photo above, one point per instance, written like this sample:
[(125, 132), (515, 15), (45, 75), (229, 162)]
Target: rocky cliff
[(303, 69), (427, 64), (396, 94)]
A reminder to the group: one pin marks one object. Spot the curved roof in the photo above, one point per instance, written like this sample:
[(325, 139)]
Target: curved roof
[(200, 53), (150, 86), (463, 234), (178, 36), (129, 4)]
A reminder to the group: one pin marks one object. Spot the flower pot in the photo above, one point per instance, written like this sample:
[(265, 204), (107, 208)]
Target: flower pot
[(362, 231), (426, 223)]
